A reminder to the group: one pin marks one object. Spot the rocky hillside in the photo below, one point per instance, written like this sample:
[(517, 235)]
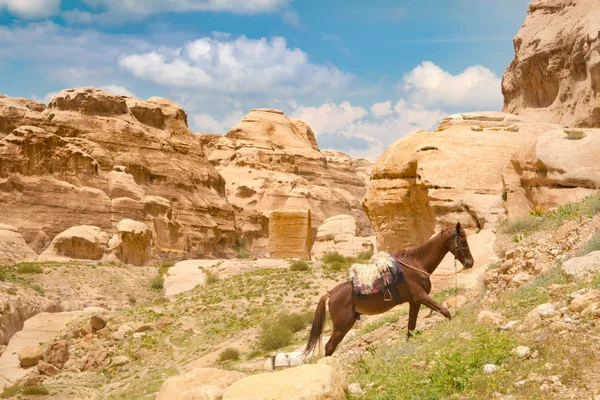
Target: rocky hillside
[(270, 161), (555, 75)]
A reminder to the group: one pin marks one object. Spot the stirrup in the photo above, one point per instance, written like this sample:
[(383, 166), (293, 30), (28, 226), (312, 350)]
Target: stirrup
[(387, 296)]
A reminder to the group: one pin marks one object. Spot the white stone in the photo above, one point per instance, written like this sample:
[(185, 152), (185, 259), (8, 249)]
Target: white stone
[(490, 369)]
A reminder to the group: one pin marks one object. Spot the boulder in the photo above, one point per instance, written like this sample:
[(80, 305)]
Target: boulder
[(57, 353), (490, 317), (556, 70), (98, 321), (30, 356), (46, 368), (341, 234), (290, 234), (199, 383), (83, 242), (95, 361), (583, 267), (311, 381), (13, 248), (119, 361), (580, 302), (135, 242)]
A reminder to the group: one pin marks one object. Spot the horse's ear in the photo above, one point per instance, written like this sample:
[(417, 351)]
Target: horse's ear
[(458, 226)]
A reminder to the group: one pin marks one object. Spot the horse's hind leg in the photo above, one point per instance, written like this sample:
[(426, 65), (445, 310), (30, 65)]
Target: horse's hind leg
[(412, 318), (343, 317)]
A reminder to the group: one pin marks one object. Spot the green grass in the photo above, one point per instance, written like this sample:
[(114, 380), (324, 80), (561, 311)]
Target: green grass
[(338, 262), (591, 245), (276, 334), (211, 277), (240, 246), (35, 391), (229, 354), (299, 265), (365, 255), (157, 282), (390, 317), (38, 289), (10, 391), (442, 294), (29, 268), (454, 365)]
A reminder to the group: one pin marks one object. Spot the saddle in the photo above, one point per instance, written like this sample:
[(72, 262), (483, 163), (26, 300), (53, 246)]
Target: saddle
[(381, 276)]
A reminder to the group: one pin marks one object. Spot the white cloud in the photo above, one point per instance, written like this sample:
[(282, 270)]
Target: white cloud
[(292, 18), (476, 88), (381, 109), (31, 9), (206, 123), (116, 89), (239, 65), (46, 99), (329, 117), (119, 11)]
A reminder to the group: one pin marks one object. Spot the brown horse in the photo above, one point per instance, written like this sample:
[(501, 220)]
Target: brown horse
[(345, 308)]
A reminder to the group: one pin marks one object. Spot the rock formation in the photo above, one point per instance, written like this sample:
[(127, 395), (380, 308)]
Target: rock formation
[(94, 158), (555, 75), (290, 234), (272, 162), (476, 168), (341, 234)]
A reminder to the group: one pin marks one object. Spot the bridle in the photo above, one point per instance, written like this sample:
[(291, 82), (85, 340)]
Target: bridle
[(457, 247)]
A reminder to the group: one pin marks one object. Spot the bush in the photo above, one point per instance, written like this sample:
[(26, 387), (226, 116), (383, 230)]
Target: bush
[(157, 282), (299, 265), (240, 246), (35, 391), (38, 289), (10, 391), (229, 354), (211, 277), (295, 321), (29, 268), (365, 255), (575, 135), (274, 336), (333, 256), (337, 262), (591, 245), (525, 225)]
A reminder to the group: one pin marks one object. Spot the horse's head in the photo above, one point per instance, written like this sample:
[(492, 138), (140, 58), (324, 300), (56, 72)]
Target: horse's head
[(459, 247)]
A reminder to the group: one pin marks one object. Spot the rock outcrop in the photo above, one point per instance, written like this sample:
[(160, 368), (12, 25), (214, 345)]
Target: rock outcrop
[(13, 247), (555, 75), (199, 383), (341, 234), (273, 162), (94, 158), (290, 234), (476, 168)]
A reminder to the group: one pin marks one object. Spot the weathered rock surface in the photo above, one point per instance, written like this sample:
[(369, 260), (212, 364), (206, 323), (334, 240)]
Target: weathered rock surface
[(290, 234), (272, 162), (30, 355), (199, 383), (582, 267), (341, 234), (311, 381), (57, 353), (13, 247), (94, 158), (18, 308), (555, 75), (503, 168)]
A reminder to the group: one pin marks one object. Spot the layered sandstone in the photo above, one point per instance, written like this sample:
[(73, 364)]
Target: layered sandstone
[(555, 75), (341, 234), (290, 234), (477, 168), (94, 158), (272, 162)]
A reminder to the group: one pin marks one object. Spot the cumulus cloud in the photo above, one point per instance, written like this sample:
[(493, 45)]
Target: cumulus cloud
[(240, 65), (31, 9), (118, 11), (329, 117), (381, 109), (206, 123), (476, 88), (117, 89)]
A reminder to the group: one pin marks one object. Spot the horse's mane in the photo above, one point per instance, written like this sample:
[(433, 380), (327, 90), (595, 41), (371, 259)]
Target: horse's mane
[(423, 253)]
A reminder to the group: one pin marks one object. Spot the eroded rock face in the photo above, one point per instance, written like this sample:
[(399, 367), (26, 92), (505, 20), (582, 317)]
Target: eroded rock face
[(476, 168), (555, 75), (272, 162), (13, 247), (341, 234), (290, 234), (94, 158)]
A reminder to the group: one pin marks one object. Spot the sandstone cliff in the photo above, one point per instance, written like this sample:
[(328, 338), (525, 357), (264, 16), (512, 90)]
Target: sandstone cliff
[(94, 158), (555, 75), (271, 162), (476, 168)]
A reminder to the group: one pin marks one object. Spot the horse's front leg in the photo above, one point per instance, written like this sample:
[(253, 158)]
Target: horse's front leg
[(429, 302), (412, 318)]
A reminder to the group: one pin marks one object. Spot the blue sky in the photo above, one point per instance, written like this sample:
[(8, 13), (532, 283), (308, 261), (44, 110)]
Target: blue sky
[(363, 74)]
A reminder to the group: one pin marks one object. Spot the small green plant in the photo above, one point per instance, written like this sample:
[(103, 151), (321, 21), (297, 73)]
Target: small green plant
[(229, 354), (131, 298), (164, 267), (35, 391), (504, 194), (538, 211), (11, 291), (253, 354), (365, 255), (591, 245), (29, 268), (211, 277), (329, 237), (526, 225), (299, 265), (574, 135), (38, 289), (51, 116), (336, 261), (274, 336), (157, 282), (10, 391)]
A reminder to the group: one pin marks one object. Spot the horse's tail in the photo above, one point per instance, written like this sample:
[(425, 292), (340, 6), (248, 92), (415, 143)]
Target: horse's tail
[(318, 325)]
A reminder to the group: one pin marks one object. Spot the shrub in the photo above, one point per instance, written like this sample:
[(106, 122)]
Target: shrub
[(295, 321), (229, 354), (157, 282), (38, 289), (131, 298), (29, 268), (35, 391), (11, 291), (538, 211), (333, 256), (591, 245), (211, 277), (575, 135), (10, 391), (526, 225), (164, 267), (299, 265), (274, 336), (365, 255), (240, 246)]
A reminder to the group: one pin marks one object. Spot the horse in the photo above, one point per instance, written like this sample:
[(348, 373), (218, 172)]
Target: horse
[(421, 262)]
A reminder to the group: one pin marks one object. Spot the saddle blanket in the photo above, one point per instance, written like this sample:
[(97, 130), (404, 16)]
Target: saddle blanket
[(370, 279)]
